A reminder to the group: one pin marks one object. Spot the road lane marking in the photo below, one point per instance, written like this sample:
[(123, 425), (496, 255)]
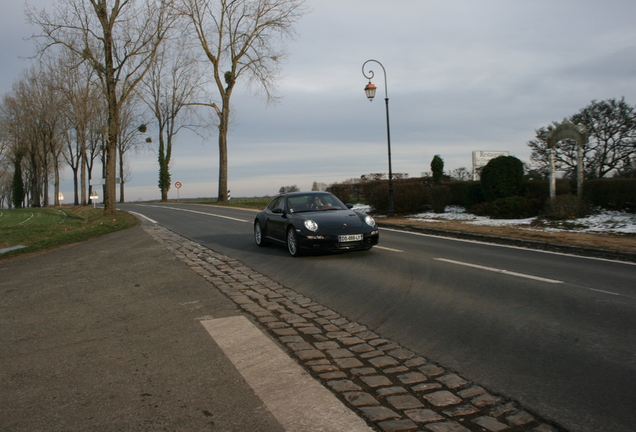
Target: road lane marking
[(198, 212), (499, 271), (144, 216), (298, 401), (509, 246), (388, 249), (607, 292)]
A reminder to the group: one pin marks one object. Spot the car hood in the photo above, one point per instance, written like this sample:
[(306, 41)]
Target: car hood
[(334, 218)]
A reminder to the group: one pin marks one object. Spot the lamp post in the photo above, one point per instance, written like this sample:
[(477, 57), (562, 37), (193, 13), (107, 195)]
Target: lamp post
[(370, 92)]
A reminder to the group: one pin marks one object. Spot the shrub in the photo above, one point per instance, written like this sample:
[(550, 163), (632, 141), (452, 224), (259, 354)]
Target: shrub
[(540, 189), (564, 207), (408, 196), (472, 194), (437, 168), (614, 194), (515, 207), (439, 197), (502, 177)]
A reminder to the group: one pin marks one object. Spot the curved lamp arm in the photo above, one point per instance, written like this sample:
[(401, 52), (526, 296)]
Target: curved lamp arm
[(370, 88)]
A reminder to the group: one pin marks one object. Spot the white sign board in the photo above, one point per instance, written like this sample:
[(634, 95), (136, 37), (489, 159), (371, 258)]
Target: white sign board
[(482, 157), (102, 181)]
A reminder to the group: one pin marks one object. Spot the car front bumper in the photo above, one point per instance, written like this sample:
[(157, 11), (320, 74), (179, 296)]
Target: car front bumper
[(331, 243)]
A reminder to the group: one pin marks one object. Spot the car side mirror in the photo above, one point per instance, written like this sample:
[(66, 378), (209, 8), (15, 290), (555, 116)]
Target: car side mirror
[(349, 206), (278, 210)]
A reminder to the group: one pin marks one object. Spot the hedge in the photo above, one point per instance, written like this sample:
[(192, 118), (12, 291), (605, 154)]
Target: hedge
[(612, 194), (417, 194)]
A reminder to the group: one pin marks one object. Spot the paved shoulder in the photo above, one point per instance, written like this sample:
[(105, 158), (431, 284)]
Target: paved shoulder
[(106, 335)]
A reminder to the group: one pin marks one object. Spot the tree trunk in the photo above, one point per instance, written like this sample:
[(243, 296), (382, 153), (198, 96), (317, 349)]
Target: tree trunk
[(110, 189), (223, 128), (121, 179), (83, 173)]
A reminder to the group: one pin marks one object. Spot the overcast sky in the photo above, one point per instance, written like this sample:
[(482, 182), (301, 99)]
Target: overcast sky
[(462, 76)]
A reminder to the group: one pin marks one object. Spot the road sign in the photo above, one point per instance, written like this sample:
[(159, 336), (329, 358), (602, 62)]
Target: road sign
[(102, 181), (178, 185)]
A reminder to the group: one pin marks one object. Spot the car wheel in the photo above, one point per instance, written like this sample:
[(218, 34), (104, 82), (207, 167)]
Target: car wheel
[(292, 242), (259, 237)]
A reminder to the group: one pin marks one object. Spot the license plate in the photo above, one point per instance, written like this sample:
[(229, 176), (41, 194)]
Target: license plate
[(350, 238)]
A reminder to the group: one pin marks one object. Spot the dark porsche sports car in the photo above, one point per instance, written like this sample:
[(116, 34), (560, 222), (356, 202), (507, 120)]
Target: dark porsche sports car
[(314, 221)]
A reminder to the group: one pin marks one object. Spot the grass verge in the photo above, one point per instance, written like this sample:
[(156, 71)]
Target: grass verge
[(45, 228)]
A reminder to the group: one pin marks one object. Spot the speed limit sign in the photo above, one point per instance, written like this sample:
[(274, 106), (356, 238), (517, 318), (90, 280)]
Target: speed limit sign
[(178, 185)]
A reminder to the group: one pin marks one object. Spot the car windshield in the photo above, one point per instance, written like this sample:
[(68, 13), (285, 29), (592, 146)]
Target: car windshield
[(314, 202)]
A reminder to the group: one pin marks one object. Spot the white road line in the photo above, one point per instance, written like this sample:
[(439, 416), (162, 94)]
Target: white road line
[(499, 271), (298, 401), (388, 249), (203, 213), (607, 292), (508, 246), (143, 216)]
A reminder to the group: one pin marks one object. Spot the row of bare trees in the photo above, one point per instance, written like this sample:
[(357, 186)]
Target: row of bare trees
[(54, 117), (104, 58)]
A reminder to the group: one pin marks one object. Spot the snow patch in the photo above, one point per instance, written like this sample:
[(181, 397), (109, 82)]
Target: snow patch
[(605, 221)]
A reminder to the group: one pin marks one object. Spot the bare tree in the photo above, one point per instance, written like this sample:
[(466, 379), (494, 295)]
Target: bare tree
[(171, 89), (240, 39), (119, 39), (33, 111), (461, 174), (129, 139), (76, 82), (611, 129), (48, 107), (12, 152)]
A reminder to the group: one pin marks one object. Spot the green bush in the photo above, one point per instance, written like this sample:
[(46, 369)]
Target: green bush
[(515, 207), (502, 177)]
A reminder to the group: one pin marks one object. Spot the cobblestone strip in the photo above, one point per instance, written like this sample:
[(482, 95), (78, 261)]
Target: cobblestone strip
[(392, 387)]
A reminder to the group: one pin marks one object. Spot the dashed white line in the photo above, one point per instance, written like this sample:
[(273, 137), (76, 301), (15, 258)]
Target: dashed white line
[(388, 249), (522, 275), (508, 246)]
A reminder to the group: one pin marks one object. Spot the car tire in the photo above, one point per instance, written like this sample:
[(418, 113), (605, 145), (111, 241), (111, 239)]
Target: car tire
[(292, 242), (259, 236)]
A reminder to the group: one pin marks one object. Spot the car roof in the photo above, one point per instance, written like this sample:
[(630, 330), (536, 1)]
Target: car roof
[(288, 194)]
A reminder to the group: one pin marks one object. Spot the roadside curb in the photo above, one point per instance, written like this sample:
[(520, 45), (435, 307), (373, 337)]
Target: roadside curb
[(529, 244)]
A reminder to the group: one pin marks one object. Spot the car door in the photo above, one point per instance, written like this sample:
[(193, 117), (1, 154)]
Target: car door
[(276, 219)]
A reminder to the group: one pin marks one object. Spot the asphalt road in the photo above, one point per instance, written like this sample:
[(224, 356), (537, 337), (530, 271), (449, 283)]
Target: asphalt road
[(555, 332)]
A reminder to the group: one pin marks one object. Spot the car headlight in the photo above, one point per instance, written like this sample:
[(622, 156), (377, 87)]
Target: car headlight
[(369, 221), (311, 225)]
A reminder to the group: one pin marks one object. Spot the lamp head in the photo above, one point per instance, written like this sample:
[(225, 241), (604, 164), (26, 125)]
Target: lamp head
[(369, 90)]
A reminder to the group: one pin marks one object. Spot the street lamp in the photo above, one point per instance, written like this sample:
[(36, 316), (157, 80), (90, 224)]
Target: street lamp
[(369, 90)]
